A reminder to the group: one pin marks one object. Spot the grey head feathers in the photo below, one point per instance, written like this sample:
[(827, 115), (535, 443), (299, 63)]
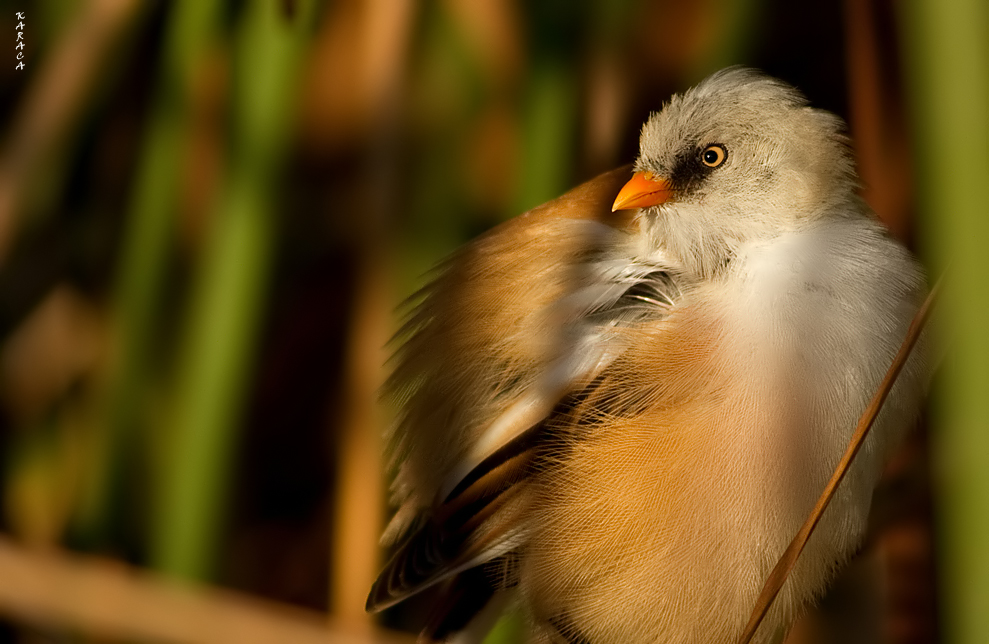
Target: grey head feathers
[(786, 165)]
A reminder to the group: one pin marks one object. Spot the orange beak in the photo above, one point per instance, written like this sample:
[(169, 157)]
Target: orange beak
[(644, 189)]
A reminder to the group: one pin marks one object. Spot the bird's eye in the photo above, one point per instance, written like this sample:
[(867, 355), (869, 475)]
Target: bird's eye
[(713, 156)]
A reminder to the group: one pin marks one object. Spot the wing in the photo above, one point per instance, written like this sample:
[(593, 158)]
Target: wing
[(512, 328)]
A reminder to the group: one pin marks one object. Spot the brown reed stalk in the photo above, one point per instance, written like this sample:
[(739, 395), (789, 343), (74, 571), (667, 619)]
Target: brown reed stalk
[(789, 557)]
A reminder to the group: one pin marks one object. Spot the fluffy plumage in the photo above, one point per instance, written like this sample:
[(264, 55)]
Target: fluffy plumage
[(624, 418)]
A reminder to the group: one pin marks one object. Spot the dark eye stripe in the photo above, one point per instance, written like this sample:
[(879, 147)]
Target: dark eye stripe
[(689, 169)]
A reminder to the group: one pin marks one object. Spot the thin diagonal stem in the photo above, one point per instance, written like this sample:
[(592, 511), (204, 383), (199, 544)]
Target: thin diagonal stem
[(789, 557)]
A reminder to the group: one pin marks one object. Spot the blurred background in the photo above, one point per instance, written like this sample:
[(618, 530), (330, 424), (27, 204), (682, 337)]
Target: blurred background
[(209, 210)]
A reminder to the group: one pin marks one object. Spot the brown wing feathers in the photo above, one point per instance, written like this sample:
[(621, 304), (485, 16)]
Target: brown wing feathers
[(461, 529), (458, 370)]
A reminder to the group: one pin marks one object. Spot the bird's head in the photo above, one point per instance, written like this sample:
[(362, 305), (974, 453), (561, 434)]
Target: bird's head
[(740, 157)]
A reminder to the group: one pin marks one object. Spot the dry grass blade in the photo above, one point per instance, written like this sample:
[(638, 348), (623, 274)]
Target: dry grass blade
[(107, 600), (789, 557)]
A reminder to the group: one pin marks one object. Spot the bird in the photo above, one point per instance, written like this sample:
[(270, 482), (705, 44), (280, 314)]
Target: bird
[(614, 411)]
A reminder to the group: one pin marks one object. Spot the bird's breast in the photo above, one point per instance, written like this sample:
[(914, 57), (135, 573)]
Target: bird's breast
[(682, 476)]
